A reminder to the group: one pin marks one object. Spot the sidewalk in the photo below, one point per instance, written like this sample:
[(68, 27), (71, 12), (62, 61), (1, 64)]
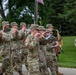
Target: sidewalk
[(65, 71), (68, 71)]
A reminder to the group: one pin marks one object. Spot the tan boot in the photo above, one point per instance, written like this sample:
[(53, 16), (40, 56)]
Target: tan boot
[(1, 70), (58, 73), (5, 74)]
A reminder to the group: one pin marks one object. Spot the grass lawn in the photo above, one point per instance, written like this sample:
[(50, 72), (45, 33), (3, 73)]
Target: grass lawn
[(68, 58)]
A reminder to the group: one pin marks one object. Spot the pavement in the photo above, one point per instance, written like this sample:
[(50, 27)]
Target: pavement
[(68, 71), (65, 71)]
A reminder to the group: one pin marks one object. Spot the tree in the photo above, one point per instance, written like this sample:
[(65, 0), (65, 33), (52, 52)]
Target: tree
[(61, 13)]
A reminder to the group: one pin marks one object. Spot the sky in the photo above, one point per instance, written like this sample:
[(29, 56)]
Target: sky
[(4, 6)]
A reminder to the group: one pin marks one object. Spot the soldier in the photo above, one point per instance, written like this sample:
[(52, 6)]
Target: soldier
[(6, 67), (31, 43), (42, 55), (51, 28), (23, 26), (49, 58), (5, 26), (16, 59), (5, 47), (23, 32)]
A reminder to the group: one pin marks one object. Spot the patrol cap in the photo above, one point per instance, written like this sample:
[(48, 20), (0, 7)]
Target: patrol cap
[(5, 23), (34, 26), (22, 24), (14, 24), (42, 28), (49, 26)]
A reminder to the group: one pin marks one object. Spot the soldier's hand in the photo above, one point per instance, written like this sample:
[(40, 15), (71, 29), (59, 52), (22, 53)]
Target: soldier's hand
[(23, 29), (14, 30), (43, 34), (52, 47), (4, 27), (37, 35)]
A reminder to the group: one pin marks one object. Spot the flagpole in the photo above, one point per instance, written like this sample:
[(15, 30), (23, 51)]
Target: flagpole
[(36, 13)]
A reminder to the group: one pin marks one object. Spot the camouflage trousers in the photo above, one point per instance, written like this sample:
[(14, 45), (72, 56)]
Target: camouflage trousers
[(16, 62), (55, 64), (42, 61), (6, 63), (33, 66), (6, 66), (9, 71), (24, 58), (49, 59)]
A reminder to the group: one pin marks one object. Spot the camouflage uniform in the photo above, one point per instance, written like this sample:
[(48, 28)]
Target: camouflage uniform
[(23, 50), (42, 55), (49, 54), (55, 62), (55, 65), (15, 51), (42, 61), (5, 49), (5, 55), (32, 57)]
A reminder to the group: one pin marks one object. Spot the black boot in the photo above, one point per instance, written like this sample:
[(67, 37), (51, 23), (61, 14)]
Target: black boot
[(20, 73), (1, 73)]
